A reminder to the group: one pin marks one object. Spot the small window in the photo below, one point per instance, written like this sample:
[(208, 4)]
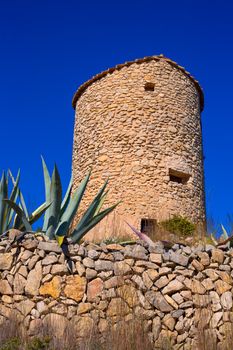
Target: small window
[(178, 177), (149, 87), (148, 226)]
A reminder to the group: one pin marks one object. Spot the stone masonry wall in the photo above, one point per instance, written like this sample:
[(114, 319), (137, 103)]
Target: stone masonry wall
[(175, 291), (135, 136)]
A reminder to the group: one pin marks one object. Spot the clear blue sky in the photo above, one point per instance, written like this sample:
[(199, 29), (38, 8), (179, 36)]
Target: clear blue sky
[(48, 48)]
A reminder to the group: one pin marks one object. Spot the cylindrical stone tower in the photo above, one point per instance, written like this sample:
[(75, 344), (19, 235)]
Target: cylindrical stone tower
[(139, 124)]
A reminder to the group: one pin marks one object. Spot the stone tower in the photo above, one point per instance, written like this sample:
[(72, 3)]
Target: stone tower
[(139, 124)]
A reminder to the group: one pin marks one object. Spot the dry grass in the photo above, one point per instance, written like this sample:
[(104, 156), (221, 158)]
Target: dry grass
[(128, 334), (125, 335)]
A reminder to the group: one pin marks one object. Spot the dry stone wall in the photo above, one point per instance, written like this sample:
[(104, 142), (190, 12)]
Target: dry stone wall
[(175, 290), (137, 137)]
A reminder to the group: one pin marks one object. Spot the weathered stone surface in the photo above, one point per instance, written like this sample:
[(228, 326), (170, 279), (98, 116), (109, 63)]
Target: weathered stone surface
[(90, 273), (129, 294), (88, 262), (57, 324), (121, 268), (84, 308), (117, 307), (172, 287), (19, 284), (161, 282), (205, 260), (59, 269), (226, 300), (158, 300), (178, 258), (208, 284), (169, 322), (215, 319), (6, 261), (102, 265), (33, 280), (49, 259), (171, 299), (197, 265), (93, 254), (222, 287), (5, 287), (80, 268), (217, 255), (145, 133), (156, 258), (41, 307), (197, 287), (83, 325), (156, 327), (211, 274), (137, 252), (25, 306), (113, 282), (75, 287), (49, 247), (52, 288), (94, 289)]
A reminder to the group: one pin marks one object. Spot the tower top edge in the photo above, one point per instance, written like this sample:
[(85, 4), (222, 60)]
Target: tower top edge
[(160, 57)]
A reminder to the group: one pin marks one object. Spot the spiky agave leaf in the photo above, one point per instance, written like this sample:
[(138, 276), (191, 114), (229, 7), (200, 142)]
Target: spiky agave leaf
[(224, 232), (213, 239), (67, 197), (36, 214), (71, 210), (91, 210), (81, 230), (47, 185), (101, 203), (55, 207), (3, 205), (13, 196), (20, 213)]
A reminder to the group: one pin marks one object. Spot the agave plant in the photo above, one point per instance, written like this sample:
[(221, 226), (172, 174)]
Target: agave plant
[(6, 212), (9, 209), (59, 214)]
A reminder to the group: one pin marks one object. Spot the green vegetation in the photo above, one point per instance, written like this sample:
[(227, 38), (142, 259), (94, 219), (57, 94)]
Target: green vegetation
[(59, 214), (179, 226), (9, 218), (10, 344)]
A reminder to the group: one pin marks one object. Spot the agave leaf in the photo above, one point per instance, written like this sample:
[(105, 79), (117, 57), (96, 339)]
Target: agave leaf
[(101, 203), (20, 213), (141, 235), (91, 210), (38, 212), (213, 239), (60, 240), (13, 196), (3, 205), (47, 184), (56, 198), (66, 199), (24, 207), (14, 192), (80, 231), (72, 208), (224, 234)]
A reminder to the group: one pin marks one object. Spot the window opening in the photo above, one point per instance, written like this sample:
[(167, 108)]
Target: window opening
[(178, 177), (148, 226), (149, 87)]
